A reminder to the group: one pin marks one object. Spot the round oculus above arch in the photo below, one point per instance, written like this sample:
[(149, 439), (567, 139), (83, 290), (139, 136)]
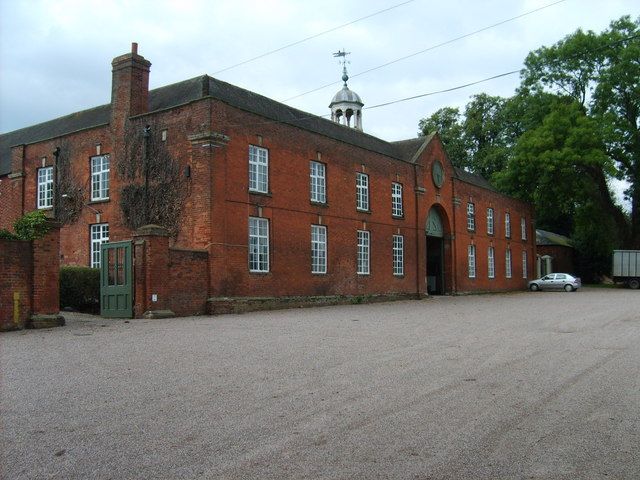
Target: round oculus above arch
[(437, 173)]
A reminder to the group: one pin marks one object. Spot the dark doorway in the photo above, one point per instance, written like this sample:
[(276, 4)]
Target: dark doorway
[(435, 265)]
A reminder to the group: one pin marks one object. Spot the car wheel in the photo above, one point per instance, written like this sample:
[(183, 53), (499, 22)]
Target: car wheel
[(635, 283), (534, 287), (568, 288)]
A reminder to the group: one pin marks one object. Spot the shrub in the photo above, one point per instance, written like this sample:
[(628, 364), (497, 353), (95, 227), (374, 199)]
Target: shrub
[(80, 288), (7, 235), (30, 226)]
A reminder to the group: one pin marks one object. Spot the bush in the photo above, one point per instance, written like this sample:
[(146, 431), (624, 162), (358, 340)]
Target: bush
[(32, 225), (7, 235), (80, 289)]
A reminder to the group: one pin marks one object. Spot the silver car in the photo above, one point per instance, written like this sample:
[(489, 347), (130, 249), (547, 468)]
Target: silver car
[(556, 281)]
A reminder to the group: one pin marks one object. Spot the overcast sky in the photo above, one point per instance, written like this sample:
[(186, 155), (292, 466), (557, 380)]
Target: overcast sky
[(55, 56)]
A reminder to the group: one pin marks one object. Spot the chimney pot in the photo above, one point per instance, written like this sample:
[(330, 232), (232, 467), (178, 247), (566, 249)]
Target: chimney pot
[(134, 48)]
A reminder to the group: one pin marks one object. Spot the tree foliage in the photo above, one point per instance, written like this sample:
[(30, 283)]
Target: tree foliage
[(477, 141), (447, 122), (31, 226), (571, 126), (602, 73)]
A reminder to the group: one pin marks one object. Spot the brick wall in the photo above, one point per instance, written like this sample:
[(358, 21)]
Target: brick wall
[(188, 274), (563, 259), (46, 274), (168, 279), (12, 189), (482, 200), (31, 270), (290, 212), (16, 269)]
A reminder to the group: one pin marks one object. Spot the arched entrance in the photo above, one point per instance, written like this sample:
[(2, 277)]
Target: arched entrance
[(436, 256)]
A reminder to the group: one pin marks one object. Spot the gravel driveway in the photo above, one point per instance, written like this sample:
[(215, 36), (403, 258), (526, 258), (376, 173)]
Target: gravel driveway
[(525, 385)]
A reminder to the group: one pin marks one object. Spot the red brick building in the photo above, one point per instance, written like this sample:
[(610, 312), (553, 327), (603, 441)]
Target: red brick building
[(555, 253), (285, 203)]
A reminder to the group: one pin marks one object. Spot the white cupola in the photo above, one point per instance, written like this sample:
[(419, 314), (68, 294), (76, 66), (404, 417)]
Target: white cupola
[(346, 106)]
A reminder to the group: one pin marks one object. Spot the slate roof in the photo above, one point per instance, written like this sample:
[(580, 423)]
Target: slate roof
[(200, 87), (51, 129), (197, 88), (544, 237), (474, 179), (407, 149)]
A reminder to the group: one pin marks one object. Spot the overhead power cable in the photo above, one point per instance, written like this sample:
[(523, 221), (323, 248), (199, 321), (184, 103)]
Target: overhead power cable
[(442, 91), (436, 92), (270, 52), (433, 47), (512, 72), (309, 116)]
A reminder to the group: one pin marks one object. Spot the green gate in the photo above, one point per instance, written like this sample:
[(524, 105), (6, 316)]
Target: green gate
[(116, 280)]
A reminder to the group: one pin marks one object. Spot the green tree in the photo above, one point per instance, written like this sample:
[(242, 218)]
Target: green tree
[(558, 166), (447, 122), (553, 163), (486, 130), (602, 73), (479, 140)]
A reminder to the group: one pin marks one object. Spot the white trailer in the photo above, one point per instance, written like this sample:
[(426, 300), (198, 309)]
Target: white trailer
[(626, 267)]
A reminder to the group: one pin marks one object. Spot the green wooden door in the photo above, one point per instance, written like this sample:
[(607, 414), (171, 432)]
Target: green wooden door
[(116, 280)]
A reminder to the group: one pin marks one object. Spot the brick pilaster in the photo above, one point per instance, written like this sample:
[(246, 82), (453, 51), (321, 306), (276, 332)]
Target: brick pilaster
[(152, 271), (46, 273)]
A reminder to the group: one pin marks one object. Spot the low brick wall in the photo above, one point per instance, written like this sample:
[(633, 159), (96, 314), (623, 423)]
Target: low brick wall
[(223, 305), (30, 282), (188, 273), (168, 281), (16, 274)]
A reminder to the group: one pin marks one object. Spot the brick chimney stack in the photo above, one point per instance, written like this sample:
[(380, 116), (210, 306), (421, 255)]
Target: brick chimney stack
[(129, 86)]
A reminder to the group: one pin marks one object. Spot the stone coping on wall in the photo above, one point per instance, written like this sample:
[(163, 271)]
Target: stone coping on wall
[(224, 305)]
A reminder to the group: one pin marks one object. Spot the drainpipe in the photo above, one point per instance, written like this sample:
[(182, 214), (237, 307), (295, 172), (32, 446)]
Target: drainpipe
[(417, 228), (454, 252), (56, 183), (145, 158)]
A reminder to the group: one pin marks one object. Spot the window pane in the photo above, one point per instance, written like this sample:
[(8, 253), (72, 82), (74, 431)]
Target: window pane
[(490, 221), (317, 182), (258, 169), (258, 244), (318, 249), (472, 261), (45, 187), (100, 177), (120, 265), (99, 235), (363, 252), (362, 191), (491, 263), (471, 216), (396, 200), (398, 255)]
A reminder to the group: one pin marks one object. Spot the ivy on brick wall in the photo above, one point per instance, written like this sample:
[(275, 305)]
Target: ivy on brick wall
[(154, 188), (71, 193)]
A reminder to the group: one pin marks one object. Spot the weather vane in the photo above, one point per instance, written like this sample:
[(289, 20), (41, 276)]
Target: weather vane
[(344, 62)]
